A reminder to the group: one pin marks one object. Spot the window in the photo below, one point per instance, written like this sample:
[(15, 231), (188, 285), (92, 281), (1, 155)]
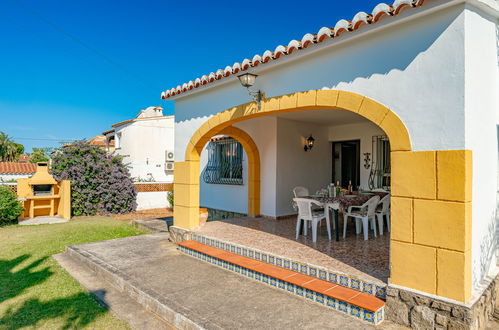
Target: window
[(380, 168), (225, 162)]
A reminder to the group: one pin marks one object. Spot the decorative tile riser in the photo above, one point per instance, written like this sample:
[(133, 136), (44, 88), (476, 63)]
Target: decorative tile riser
[(307, 269), (341, 306)]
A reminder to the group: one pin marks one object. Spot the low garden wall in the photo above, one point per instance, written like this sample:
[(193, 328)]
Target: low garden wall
[(152, 195)]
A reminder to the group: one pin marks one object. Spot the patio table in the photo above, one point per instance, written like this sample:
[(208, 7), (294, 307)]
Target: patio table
[(342, 203)]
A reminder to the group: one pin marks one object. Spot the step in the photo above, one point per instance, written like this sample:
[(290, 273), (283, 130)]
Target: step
[(358, 304), (377, 289)]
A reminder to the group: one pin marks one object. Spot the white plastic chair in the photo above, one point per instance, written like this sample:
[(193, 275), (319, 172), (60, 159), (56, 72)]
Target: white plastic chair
[(300, 192), (365, 213), (306, 214), (383, 209)]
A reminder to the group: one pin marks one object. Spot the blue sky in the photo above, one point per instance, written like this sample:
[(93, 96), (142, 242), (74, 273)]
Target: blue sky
[(70, 69)]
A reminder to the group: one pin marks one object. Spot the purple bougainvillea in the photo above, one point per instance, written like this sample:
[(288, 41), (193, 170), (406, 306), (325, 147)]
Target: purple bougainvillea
[(100, 182)]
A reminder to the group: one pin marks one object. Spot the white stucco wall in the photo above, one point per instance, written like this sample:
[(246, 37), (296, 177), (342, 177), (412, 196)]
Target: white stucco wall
[(9, 177), (482, 119), (144, 143), (152, 200)]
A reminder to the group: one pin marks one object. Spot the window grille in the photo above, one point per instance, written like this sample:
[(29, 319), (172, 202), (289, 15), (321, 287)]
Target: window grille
[(225, 162), (380, 165)]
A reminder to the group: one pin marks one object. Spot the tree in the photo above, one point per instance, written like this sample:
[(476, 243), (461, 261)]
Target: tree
[(9, 150), (40, 155), (100, 182)]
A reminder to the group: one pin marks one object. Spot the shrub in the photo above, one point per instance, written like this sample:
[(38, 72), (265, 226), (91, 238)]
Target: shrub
[(100, 182), (10, 207), (169, 197)]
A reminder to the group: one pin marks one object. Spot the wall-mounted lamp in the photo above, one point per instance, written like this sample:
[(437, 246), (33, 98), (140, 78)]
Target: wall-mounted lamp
[(367, 160), (248, 80), (309, 143)]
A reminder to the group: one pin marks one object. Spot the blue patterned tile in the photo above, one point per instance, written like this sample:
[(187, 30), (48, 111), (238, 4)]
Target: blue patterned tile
[(271, 260), (203, 239), (264, 257), (355, 284), (319, 297), (245, 252), (220, 262), (231, 266), (331, 302), (238, 250), (232, 249), (273, 281), (380, 292), (251, 254), (303, 269), (294, 267), (342, 306), (379, 315), (300, 291), (265, 279), (322, 275), (257, 255), (290, 287), (225, 264), (368, 316), (368, 288), (309, 294), (282, 284), (258, 276), (287, 264), (355, 311), (312, 271), (238, 269), (278, 262), (333, 278), (244, 271), (344, 280), (251, 273)]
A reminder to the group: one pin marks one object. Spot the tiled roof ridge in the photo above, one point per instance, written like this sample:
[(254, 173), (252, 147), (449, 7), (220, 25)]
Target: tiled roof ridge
[(294, 45), (17, 168)]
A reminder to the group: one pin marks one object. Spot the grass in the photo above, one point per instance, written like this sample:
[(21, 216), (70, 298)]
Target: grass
[(35, 292)]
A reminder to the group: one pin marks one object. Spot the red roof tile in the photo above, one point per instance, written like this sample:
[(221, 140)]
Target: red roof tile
[(17, 168)]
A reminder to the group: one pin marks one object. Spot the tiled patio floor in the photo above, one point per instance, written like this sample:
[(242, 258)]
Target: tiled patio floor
[(369, 260)]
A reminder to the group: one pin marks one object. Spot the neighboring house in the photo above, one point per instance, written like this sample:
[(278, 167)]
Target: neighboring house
[(146, 142), (423, 77), (11, 171), (101, 142)]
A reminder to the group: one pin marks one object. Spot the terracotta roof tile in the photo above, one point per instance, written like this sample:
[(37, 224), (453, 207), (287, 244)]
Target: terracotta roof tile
[(342, 26), (17, 168)]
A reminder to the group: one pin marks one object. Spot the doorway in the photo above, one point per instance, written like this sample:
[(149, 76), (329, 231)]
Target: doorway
[(346, 163)]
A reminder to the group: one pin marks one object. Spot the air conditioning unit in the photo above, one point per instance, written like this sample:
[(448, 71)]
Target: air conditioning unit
[(169, 166), (170, 156)]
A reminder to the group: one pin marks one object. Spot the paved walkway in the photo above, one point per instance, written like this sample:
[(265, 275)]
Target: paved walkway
[(209, 296), (42, 221)]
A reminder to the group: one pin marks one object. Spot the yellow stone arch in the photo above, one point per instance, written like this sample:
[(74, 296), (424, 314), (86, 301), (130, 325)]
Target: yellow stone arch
[(420, 258)]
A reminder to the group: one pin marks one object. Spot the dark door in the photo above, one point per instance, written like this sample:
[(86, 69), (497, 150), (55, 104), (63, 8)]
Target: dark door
[(346, 162)]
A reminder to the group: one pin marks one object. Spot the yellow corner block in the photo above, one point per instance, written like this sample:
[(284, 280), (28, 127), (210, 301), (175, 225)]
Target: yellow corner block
[(414, 174), (401, 219), (327, 98), (185, 217), (187, 172), (186, 194), (455, 175), (288, 101), (373, 111), (413, 266), (306, 99), (396, 132), (349, 101), (442, 224), (454, 274)]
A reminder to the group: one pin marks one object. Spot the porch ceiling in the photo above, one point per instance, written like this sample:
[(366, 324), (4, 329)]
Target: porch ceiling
[(324, 117)]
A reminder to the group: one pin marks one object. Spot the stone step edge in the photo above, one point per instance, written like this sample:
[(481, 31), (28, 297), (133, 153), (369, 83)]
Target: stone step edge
[(349, 281), (357, 304), (151, 302)]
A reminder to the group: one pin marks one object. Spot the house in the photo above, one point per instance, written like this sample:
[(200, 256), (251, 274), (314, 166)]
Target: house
[(146, 142), (100, 141), (403, 97), (11, 171)]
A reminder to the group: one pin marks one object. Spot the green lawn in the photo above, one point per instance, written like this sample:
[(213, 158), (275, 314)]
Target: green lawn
[(35, 292)]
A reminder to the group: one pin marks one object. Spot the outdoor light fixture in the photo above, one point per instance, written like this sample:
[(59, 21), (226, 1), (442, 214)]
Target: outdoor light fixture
[(248, 80), (309, 143)]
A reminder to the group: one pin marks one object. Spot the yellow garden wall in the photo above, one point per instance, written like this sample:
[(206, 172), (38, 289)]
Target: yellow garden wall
[(431, 203)]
